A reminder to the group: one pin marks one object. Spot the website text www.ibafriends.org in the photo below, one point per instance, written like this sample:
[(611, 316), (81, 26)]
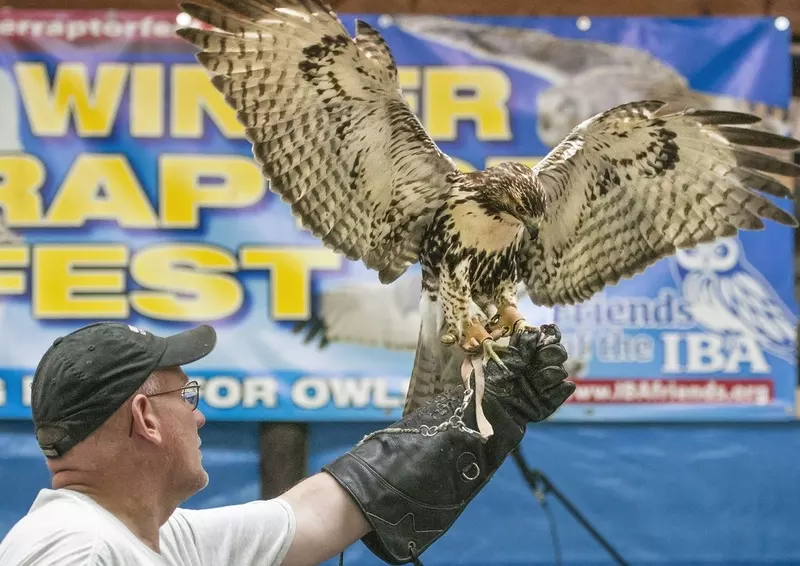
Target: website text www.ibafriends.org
[(712, 391)]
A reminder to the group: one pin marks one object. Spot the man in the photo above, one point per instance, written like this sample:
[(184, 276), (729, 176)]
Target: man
[(118, 423)]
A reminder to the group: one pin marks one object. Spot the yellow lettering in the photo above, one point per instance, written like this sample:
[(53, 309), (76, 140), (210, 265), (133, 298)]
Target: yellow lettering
[(49, 109), (446, 103), (79, 281), (147, 100), (193, 93), (290, 275), (237, 183), (186, 283), (13, 281), (21, 179), (463, 165), (409, 79), (101, 187), (529, 161)]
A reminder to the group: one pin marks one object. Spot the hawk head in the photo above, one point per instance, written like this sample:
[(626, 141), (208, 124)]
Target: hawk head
[(513, 189)]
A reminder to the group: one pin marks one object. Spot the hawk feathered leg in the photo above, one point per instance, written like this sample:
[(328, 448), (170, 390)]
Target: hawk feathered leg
[(508, 320), (465, 319)]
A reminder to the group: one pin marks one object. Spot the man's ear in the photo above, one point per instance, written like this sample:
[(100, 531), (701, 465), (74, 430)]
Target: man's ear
[(145, 421)]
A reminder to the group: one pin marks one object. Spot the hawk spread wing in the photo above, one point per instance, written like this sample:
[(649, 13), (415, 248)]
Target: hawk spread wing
[(629, 186), (328, 124)]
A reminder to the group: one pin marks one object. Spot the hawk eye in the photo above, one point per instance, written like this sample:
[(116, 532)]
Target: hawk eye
[(520, 209)]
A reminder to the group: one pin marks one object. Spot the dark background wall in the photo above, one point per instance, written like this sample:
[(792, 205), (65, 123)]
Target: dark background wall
[(788, 8)]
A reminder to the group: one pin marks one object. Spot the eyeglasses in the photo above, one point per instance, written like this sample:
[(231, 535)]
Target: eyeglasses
[(190, 393)]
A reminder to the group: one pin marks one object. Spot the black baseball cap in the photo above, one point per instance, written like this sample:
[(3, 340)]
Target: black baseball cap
[(85, 376)]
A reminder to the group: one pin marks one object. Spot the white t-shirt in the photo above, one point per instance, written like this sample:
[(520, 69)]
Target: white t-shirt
[(67, 528)]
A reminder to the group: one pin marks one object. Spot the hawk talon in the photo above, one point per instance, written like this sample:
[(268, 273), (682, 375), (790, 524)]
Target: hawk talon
[(490, 349), (520, 326), (497, 333), (474, 336)]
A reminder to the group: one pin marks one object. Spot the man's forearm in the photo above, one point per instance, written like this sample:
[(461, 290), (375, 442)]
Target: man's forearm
[(327, 520)]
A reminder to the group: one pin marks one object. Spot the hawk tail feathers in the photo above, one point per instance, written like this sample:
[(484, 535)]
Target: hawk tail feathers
[(433, 370)]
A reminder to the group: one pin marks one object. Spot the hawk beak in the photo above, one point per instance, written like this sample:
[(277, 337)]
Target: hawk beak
[(532, 227)]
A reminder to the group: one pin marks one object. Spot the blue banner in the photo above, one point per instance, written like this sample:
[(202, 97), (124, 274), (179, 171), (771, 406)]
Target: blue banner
[(129, 193)]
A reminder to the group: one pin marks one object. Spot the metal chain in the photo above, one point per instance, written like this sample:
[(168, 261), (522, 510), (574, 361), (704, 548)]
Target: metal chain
[(456, 421)]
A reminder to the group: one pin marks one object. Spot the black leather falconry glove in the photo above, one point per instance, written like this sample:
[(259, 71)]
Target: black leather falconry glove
[(413, 479)]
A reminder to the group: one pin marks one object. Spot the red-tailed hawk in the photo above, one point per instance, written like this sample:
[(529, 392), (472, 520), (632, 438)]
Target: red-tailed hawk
[(335, 137)]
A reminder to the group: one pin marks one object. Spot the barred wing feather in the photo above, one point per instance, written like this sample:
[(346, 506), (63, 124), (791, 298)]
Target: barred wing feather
[(328, 123), (629, 186)]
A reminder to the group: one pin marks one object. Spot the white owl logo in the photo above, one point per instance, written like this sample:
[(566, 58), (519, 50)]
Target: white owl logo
[(727, 295)]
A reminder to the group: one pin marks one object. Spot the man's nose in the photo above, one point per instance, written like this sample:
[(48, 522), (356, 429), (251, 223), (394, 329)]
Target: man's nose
[(201, 418)]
